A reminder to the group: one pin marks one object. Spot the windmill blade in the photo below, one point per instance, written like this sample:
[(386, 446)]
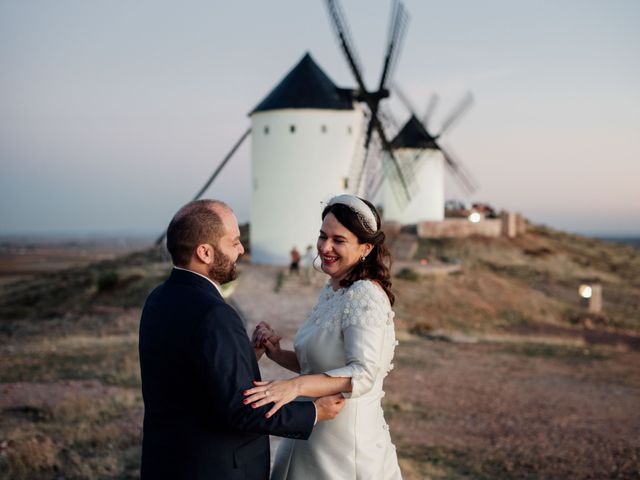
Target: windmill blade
[(389, 173), (391, 166), (389, 121), (397, 30), (462, 107), (460, 173), (213, 176), (431, 107), (404, 99), (367, 143), (339, 24), (358, 161), (374, 169), (398, 26), (394, 161)]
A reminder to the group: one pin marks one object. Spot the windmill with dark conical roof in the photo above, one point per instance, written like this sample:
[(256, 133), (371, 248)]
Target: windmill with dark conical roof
[(422, 153), (306, 135)]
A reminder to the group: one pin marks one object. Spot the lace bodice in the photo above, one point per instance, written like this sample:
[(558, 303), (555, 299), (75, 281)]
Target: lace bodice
[(349, 333)]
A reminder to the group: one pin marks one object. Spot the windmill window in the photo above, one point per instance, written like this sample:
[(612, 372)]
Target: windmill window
[(349, 130), (323, 129), (292, 128), (266, 130), (345, 183)]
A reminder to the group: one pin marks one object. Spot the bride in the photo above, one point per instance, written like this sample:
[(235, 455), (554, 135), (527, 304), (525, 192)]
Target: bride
[(346, 345)]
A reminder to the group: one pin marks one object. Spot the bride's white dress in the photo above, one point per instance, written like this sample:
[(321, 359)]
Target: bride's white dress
[(349, 333)]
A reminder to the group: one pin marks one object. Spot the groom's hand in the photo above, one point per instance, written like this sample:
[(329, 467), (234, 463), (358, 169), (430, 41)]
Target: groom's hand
[(328, 408), (259, 351)]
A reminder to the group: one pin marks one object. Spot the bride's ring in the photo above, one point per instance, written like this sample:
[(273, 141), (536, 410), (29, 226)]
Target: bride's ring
[(266, 393)]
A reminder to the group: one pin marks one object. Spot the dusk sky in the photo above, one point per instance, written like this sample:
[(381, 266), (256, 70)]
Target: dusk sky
[(113, 114)]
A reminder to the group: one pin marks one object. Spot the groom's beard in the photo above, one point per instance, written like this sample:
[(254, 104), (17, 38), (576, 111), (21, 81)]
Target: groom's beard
[(222, 270)]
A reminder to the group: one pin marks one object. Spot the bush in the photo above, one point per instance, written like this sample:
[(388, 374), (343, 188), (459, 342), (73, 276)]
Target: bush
[(408, 274), (279, 281), (107, 281)]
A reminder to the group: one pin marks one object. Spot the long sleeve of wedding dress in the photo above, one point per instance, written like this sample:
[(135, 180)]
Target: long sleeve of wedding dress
[(364, 325)]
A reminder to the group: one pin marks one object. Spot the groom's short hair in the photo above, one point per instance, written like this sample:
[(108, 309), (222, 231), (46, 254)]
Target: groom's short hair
[(194, 224)]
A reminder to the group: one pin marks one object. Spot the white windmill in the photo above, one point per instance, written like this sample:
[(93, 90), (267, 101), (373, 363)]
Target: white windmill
[(311, 140), (306, 135), (421, 153)]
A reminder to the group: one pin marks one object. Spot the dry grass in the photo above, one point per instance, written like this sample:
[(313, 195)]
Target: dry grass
[(527, 280), (531, 411), (81, 430)]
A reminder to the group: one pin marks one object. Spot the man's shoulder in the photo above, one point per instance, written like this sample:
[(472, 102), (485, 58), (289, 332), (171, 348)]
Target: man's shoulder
[(191, 299), (222, 315)]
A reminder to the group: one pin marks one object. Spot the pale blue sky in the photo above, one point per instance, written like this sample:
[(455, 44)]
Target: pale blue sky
[(113, 114)]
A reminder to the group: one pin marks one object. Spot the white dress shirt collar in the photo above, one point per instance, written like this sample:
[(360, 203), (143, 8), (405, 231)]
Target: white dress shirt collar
[(203, 276)]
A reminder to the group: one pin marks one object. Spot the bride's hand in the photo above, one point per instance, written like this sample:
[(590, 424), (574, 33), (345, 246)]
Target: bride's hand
[(278, 392), (263, 331), (266, 337)]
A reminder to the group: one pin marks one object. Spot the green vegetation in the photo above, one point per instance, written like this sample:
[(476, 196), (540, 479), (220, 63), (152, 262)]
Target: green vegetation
[(280, 277), (107, 281), (566, 353), (408, 274)]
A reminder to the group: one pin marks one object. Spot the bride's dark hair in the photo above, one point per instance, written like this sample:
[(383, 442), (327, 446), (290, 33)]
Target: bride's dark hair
[(377, 264)]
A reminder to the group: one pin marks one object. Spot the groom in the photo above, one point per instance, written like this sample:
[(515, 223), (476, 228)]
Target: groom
[(196, 360)]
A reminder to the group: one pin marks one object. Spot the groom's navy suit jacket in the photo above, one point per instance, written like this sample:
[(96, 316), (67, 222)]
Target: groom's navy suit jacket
[(195, 361)]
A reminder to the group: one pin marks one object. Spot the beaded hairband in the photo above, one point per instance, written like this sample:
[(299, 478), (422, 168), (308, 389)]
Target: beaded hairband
[(360, 208)]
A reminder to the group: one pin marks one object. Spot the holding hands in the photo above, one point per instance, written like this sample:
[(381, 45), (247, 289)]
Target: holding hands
[(266, 339), (325, 389)]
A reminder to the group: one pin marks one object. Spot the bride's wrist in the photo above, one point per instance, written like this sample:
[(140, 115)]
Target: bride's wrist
[(298, 384), (276, 356)]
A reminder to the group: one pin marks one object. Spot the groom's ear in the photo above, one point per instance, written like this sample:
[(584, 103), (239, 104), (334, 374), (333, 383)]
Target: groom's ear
[(205, 253)]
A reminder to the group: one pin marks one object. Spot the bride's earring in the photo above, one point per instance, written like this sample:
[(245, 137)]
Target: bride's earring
[(363, 258)]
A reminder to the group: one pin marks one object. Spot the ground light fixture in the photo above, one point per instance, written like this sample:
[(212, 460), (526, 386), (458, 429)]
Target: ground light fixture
[(590, 294), (585, 291), (474, 217)]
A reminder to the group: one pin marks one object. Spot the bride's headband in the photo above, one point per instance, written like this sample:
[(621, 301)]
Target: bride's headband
[(360, 208)]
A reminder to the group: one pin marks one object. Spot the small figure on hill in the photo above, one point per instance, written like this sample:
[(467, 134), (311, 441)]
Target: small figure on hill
[(295, 261), (307, 263)]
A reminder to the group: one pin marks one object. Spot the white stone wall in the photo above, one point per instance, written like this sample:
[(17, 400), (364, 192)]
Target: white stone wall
[(293, 172)]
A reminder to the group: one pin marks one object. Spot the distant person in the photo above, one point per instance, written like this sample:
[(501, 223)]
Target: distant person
[(196, 361), (346, 345), (307, 263), (294, 267)]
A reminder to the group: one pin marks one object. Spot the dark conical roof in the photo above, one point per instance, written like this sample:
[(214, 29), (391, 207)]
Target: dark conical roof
[(306, 86), (414, 135)]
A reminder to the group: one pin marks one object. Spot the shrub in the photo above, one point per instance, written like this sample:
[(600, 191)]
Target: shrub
[(107, 280), (408, 274)]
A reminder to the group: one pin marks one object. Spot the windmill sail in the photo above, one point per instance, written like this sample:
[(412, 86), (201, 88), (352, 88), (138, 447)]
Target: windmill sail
[(397, 30), (213, 176)]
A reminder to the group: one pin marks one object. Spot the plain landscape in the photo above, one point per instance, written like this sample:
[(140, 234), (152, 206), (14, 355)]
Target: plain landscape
[(501, 371)]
